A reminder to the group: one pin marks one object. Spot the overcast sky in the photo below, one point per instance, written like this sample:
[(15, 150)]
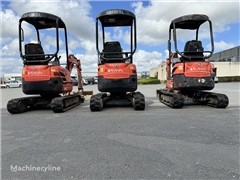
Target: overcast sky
[(153, 19)]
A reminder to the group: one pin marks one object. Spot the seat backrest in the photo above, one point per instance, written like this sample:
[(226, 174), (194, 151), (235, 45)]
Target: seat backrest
[(112, 47), (193, 45), (34, 49), (193, 48)]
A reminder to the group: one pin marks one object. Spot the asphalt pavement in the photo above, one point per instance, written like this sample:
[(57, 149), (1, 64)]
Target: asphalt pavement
[(195, 142)]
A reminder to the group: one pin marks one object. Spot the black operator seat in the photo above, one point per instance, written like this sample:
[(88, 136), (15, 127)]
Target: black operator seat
[(115, 51), (194, 49), (36, 52)]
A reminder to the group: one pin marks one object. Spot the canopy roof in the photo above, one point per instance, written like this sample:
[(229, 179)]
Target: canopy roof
[(192, 21), (42, 20), (116, 17)]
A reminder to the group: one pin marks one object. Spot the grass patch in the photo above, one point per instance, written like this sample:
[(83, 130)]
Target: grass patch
[(229, 79), (148, 81)]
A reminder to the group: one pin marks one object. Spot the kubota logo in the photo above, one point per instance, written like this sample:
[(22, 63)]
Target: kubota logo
[(114, 12), (34, 72), (198, 69), (114, 70)]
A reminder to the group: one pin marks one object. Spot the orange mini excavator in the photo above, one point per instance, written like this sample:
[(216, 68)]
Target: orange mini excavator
[(117, 75), (189, 75), (42, 73)]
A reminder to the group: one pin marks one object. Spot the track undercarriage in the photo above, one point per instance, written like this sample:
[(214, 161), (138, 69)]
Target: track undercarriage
[(101, 100), (57, 103), (176, 99)]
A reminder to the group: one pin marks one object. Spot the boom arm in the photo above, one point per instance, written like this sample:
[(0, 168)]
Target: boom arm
[(73, 61)]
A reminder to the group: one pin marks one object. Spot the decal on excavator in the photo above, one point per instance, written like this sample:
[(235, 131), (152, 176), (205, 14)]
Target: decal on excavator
[(114, 70), (114, 12), (197, 69), (34, 72)]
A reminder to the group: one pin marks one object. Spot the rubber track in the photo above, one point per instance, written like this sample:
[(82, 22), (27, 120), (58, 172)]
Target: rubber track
[(139, 101), (177, 99), (221, 99), (20, 105), (57, 104), (96, 102)]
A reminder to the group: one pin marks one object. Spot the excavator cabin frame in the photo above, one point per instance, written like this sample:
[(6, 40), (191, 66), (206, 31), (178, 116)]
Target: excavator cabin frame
[(42, 72), (117, 75), (193, 55), (188, 72), (113, 71)]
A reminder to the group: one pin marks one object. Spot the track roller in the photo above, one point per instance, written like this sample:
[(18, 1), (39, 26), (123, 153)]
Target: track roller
[(20, 105), (64, 103), (218, 100), (171, 99)]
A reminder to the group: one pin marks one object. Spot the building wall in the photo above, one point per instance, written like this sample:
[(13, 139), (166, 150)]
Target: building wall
[(162, 71), (229, 55), (153, 72), (12, 76), (227, 68), (223, 69)]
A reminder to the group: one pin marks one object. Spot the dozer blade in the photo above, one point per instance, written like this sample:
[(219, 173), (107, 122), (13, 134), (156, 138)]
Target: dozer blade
[(87, 94)]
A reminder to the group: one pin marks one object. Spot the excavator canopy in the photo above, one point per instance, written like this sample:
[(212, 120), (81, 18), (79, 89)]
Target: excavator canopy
[(116, 17), (41, 20), (192, 21)]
